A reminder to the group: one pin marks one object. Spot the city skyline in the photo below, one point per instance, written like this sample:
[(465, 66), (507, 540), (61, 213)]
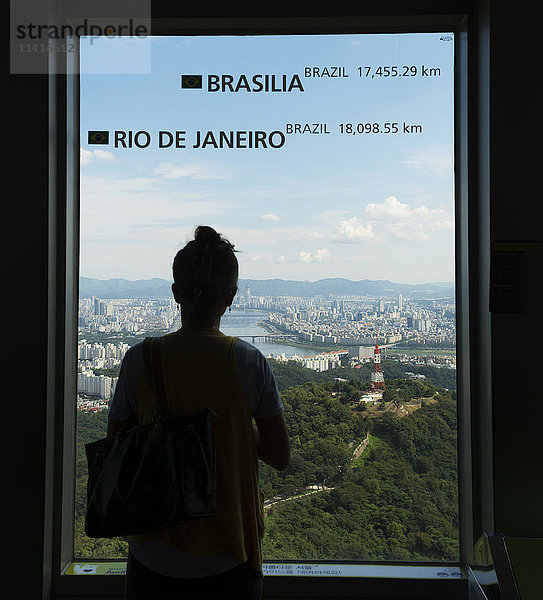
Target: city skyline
[(350, 326), (339, 204)]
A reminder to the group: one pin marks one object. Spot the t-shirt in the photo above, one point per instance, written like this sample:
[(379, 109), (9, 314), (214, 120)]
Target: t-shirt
[(252, 368), (260, 389)]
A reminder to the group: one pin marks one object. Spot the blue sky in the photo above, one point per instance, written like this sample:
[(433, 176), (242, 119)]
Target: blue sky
[(365, 206)]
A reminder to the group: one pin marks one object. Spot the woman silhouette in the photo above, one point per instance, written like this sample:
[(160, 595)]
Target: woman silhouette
[(219, 556)]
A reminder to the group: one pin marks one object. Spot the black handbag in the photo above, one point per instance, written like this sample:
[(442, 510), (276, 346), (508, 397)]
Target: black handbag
[(152, 476)]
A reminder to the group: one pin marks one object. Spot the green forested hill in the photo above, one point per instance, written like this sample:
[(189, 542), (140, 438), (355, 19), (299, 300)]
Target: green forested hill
[(397, 501), (90, 427), (289, 374), (323, 434)]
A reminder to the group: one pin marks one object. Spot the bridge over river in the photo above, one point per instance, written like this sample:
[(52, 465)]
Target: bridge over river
[(254, 337), (269, 337)]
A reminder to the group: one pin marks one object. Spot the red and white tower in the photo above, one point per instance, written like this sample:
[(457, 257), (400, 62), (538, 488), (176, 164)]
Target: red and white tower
[(377, 377)]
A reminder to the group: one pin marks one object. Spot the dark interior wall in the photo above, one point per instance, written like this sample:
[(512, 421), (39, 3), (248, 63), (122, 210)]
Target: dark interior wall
[(24, 328), (517, 215)]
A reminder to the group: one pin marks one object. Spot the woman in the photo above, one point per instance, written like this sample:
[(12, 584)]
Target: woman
[(219, 556)]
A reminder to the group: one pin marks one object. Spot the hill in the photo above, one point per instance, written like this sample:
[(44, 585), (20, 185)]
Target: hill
[(396, 501), (144, 288), (400, 503)]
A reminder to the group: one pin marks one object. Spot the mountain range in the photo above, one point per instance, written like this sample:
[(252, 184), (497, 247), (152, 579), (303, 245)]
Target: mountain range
[(145, 288)]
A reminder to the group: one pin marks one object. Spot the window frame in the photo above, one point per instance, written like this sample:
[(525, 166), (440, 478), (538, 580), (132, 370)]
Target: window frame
[(63, 303)]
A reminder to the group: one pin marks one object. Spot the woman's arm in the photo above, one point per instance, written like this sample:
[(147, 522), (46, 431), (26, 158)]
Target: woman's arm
[(272, 441)]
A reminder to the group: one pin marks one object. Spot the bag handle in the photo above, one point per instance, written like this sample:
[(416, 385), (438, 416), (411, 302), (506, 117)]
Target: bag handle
[(153, 364)]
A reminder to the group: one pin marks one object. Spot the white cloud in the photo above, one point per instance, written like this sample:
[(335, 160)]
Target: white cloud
[(438, 158), (120, 209), (392, 219), (270, 217), (258, 258), (396, 216), (409, 231), (353, 230), (87, 156), (315, 256), (281, 236), (321, 254), (172, 170), (248, 238), (402, 218), (392, 208), (445, 224), (330, 217), (104, 154)]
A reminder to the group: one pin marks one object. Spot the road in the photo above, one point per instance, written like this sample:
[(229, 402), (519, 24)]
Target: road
[(315, 489)]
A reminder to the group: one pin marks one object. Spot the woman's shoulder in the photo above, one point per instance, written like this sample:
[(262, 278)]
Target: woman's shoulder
[(257, 379), (250, 355), (133, 360)]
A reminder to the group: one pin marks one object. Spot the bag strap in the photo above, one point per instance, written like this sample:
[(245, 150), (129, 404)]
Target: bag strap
[(153, 365)]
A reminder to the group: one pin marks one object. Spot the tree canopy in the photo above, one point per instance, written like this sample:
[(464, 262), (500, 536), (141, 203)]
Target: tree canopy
[(397, 501)]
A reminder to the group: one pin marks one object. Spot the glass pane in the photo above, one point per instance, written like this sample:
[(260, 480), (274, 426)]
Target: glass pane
[(328, 161)]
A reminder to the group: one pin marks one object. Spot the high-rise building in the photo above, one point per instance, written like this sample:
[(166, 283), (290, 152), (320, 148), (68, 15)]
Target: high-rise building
[(365, 352)]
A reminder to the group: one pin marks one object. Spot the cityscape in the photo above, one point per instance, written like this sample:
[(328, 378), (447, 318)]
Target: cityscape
[(325, 332), (358, 320)]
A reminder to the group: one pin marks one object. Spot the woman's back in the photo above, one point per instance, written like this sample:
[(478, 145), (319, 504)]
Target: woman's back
[(199, 372)]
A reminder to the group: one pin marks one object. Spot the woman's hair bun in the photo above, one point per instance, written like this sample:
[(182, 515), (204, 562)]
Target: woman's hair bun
[(206, 236), (206, 269), (207, 241)]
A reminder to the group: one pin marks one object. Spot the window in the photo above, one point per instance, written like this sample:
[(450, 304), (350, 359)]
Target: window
[(328, 160)]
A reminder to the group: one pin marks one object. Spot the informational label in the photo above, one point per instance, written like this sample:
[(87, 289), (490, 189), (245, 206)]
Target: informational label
[(377, 571), (301, 570), (310, 84), (96, 568), (512, 286)]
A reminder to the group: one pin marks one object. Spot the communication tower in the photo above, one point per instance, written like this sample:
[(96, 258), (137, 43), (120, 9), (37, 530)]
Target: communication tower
[(377, 377)]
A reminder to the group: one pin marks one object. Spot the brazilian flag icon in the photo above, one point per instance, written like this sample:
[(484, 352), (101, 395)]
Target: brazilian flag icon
[(191, 82), (98, 137)]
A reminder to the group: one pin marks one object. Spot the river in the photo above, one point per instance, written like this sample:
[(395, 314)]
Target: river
[(242, 322)]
